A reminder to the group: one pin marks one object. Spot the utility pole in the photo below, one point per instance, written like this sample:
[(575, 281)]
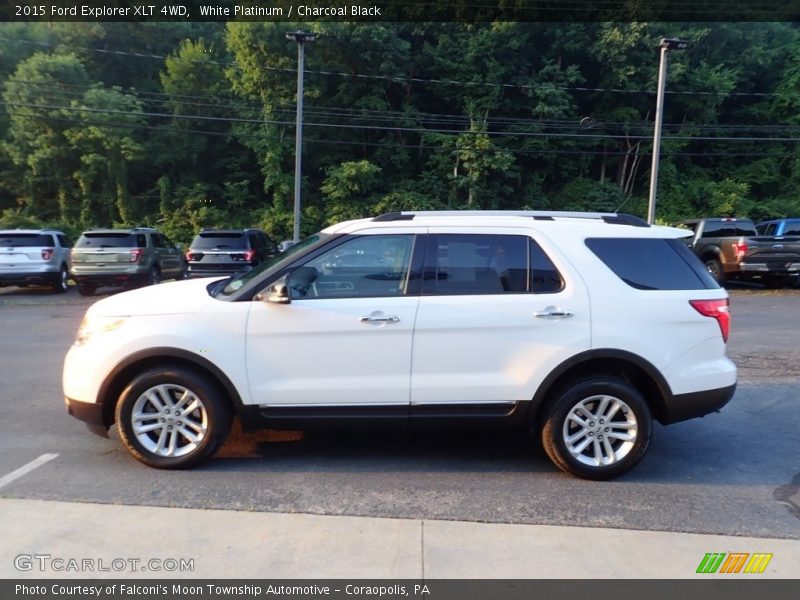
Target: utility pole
[(301, 37), (666, 45)]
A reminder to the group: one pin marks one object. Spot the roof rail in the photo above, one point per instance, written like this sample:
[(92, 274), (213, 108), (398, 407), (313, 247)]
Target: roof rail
[(539, 215)]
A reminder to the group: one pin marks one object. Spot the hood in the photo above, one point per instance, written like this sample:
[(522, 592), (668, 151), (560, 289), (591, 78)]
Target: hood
[(173, 298)]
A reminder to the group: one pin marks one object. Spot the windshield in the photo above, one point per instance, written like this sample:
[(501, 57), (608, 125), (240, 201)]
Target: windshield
[(275, 262)]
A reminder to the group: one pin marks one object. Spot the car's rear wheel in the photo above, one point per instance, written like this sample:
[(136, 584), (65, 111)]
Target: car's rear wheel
[(172, 418), (714, 267), (86, 289), (61, 284), (598, 428), (154, 276)]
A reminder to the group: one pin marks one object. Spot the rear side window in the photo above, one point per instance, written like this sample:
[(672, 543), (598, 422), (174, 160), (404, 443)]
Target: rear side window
[(728, 229), (25, 240), (487, 264), (766, 229), (652, 263), (111, 240), (792, 229)]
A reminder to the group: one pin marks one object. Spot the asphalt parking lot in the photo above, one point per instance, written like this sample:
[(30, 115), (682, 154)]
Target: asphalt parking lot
[(736, 472)]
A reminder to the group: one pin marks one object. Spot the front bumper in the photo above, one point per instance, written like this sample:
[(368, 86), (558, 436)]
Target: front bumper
[(90, 413)]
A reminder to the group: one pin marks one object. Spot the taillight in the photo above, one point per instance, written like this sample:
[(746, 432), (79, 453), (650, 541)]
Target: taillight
[(717, 309), (249, 254), (740, 249), (189, 255), (136, 254), (47, 253)]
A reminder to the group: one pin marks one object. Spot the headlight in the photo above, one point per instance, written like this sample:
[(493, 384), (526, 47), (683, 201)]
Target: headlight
[(93, 325)]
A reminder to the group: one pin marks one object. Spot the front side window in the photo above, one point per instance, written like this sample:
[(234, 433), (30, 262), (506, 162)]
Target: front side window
[(366, 266), (487, 264)]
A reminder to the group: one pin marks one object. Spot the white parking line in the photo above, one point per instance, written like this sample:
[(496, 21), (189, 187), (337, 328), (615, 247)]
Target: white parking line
[(25, 469)]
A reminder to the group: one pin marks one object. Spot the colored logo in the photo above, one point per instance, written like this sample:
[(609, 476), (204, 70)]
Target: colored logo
[(734, 562)]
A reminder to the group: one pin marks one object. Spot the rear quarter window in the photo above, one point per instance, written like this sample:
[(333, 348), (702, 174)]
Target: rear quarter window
[(652, 263)]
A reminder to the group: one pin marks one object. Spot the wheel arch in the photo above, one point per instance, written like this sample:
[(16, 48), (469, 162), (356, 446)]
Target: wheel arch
[(634, 369), (136, 363)]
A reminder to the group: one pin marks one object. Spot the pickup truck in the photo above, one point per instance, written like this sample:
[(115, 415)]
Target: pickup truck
[(778, 227), (732, 249)]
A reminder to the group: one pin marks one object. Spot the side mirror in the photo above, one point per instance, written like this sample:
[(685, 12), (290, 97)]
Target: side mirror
[(277, 292), (178, 246)]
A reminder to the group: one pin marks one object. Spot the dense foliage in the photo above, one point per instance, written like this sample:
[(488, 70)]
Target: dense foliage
[(189, 125)]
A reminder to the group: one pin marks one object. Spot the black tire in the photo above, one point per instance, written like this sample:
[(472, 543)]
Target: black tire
[(61, 285), (154, 276), (213, 411), (772, 282), (559, 424), (86, 289), (714, 267), (184, 274)]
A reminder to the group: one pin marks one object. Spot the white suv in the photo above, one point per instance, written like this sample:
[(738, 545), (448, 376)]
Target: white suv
[(582, 327), (35, 257)]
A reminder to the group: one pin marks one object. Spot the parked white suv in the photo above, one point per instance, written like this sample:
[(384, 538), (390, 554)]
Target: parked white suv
[(583, 327), (35, 257)]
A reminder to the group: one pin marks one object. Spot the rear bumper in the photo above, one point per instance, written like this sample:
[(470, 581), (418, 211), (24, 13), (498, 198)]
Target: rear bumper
[(30, 277), (110, 279), (696, 404), (226, 272), (767, 268)]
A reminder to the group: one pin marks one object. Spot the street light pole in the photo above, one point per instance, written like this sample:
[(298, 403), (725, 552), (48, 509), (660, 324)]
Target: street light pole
[(301, 37), (666, 45)]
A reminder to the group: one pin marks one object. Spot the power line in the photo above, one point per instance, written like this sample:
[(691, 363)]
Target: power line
[(414, 147), (429, 118), (393, 78), (421, 130)]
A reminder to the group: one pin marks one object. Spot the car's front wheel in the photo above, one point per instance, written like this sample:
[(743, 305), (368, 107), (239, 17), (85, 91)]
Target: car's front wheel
[(172, 418), (598, 428)]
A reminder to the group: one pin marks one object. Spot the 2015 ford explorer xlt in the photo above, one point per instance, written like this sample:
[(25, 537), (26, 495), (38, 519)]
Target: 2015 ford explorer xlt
[(556, 322)]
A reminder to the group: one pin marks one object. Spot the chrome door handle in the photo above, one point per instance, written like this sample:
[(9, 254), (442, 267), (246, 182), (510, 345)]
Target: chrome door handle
[(392, 319), (554, 313)]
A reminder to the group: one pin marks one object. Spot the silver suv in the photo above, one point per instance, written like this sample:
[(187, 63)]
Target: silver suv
[(124, 257), (34, 257)]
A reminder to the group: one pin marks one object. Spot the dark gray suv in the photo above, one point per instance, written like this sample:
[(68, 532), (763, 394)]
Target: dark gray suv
[(124, 257), (222, 252)]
